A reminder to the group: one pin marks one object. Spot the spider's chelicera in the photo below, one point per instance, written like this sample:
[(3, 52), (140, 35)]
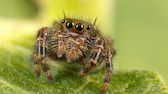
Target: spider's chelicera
[(77, 41)]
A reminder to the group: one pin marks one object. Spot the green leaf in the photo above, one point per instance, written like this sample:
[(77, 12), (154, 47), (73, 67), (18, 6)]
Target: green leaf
[(17, 74)]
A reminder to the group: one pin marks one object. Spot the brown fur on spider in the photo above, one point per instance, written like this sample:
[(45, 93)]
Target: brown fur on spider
[(77, 41)]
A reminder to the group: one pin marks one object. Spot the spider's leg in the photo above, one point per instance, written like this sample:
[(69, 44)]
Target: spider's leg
[(61, 45), (40, 54), (94, 57), (109, 54), (36, 64)]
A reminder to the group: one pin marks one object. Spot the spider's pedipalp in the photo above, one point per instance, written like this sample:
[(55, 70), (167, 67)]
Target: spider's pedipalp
[(61, 45)]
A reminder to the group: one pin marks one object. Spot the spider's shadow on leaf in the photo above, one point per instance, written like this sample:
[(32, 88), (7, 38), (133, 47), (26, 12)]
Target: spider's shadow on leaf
[(62, 70)]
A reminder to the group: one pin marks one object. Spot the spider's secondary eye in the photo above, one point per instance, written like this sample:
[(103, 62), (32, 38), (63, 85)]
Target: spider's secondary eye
[(88, 27), (79, 26), (69, 24), (62, 21)]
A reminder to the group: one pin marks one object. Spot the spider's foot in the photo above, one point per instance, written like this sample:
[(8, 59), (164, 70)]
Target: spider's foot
[(104, 89), (82, 74), (49, 76), (37, 75), (52, 81), (37, 70)]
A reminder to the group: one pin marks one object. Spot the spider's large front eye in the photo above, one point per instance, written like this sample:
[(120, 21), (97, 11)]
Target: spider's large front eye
[(79, 26), (69, 24)]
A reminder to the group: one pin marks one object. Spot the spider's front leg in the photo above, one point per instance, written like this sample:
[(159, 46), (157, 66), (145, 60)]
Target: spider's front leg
[(109, 54), (95, 56), (39, 54)]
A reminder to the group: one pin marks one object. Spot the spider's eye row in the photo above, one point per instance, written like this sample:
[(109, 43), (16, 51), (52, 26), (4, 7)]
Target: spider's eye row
[(79, 26), (63, 21), (88, 27), (69, 24)]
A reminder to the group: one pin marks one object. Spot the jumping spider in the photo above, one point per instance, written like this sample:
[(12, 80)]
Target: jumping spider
[(77, 41)]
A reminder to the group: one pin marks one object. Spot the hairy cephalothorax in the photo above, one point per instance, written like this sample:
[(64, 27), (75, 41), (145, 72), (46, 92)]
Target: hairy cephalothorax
[(77, 41)]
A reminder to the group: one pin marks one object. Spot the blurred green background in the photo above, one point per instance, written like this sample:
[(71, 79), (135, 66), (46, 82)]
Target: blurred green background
[(139, 27)]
